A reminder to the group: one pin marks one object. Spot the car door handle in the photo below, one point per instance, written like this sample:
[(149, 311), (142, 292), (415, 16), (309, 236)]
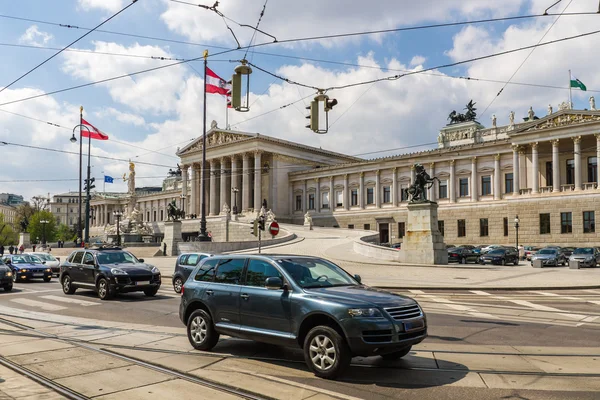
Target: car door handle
[(81, 268), (244, 296), (209, 292)]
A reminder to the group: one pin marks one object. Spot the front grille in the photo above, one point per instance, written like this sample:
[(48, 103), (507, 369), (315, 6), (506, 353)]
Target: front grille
[(139, 278), (404, 312), (122, 280), (379, 336)]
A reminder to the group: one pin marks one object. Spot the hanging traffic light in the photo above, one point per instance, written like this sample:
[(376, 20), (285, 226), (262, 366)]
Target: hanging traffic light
[(313, 116), (240, 87), (328, 105)]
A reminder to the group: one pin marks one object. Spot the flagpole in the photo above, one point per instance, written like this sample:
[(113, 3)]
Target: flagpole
[(226, 114), (202, 236), (570, 96), (79, 233), (87, 193)]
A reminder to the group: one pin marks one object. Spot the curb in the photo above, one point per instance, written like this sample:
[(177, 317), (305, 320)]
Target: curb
[(487, 288)]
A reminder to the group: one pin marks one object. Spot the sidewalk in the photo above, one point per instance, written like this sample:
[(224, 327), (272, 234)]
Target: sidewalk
[(16, 386)]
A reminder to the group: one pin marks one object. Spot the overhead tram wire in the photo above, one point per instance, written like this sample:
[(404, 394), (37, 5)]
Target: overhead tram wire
[(66, 47)]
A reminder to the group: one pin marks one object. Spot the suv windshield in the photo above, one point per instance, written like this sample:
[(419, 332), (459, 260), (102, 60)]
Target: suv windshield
[(547, 251), (584, 250), (315, 273), (116, 257)]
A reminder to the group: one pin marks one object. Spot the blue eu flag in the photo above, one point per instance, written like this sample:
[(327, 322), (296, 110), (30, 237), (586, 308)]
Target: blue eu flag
[(108, 179)]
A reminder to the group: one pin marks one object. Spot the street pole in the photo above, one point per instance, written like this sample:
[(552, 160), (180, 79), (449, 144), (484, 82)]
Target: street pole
[(259, 239), (79, 233), (87, 194), (202, 236)]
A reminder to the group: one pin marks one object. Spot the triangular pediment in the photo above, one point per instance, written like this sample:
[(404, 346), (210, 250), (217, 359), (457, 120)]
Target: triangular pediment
[(214, 137), (559, 119)]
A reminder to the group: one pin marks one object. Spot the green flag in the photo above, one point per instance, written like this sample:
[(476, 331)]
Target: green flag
[(576, 83)]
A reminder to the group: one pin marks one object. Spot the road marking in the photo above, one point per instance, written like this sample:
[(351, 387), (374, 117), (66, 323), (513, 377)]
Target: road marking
[(459, 307), (566, 297), (480, 293), (417, 291), (39, 304), (70, 300), (592, 291)]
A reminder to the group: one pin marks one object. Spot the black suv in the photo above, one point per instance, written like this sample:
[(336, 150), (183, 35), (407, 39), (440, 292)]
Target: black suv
[(109, 271), (184, 265), (301, 301)]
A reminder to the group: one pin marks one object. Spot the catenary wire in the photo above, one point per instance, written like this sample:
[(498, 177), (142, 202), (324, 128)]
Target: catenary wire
[(255, 29), (69, 45)]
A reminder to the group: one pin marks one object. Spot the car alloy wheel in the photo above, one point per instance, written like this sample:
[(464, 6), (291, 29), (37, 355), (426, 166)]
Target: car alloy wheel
[(67, 285), (104, 290), (326, 352), (177, 284), (15, 279), (198, 329), (463, 260), (201, 332), (322, 353)]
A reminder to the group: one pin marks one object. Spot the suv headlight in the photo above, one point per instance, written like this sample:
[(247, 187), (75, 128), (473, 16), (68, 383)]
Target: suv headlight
[(155, 270), (9, 273), (117, 271), (365, 313)]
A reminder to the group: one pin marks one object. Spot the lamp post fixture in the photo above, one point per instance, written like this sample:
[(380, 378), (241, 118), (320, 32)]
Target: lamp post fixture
[(118, 215), (182, 197), (44, 222), (87, 207), (235, 192), (517, 230)]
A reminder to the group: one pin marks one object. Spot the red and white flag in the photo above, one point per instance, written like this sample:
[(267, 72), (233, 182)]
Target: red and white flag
[(216, 84), (93, 132)]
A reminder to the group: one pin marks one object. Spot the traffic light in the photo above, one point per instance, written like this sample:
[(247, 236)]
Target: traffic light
[(328, 105), (254, 228), (89, 185), (261, 222), (313, 116)]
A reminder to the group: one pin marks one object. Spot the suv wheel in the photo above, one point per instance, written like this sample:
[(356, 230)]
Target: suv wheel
[(177, 284), (15, 277), (67, 285), (325, 352), (105, 291), (504, 261), (201, 331), (151, 292), (8, 287), (397, 354)]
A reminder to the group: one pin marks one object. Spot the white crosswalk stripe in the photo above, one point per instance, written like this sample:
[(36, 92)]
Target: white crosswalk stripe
[(450, 304), (70, 300), (38, 304), (548, 294)]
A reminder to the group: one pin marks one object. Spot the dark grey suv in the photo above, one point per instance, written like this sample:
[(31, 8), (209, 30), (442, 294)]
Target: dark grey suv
[(298, 301), (184, 265)]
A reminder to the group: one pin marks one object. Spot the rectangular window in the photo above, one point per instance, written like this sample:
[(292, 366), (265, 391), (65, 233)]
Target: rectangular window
[(230, 271), (339, 199), (401, 229), (486, 185), (570, 172), (592, 169), (299, 202), (162, 215), (350, 226), (483, 227), (325, 200), (58, 209), (441, 227), (544, 224), (367, 227), (462, 228), (370, 199), (148, 216), (404, 194), (566, 222), (505, 225), (354, 195), (464, 187), (443, 189), (589, 222), (311, 201), (549, 173), (387, 194), (508, 183), (154, 215)]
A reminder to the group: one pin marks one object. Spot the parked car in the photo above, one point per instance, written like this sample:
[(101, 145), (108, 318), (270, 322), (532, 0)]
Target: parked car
[(587, 256), (298, 301), (184, 265), (462, 255), (567, 251), (396, 246), (486, 249), (529, 251), (477, 249), (6, 276), (50, 261), (450, 246), (27, 267), (500, 256), (108, 271), (550, 256)]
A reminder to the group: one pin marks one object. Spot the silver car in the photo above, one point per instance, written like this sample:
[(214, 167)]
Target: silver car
[(550, 256), (49, 260), (587, 256)]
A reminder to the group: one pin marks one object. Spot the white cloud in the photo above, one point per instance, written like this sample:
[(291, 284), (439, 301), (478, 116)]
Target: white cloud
[(108, 5), (126, 118), (34, 37), (417, 60)]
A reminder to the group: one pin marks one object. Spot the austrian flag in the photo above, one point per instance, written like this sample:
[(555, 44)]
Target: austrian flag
[(92, 131), (216, 84)]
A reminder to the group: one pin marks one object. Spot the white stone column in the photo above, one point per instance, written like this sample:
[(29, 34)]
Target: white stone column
[(516, 171), (555, 167), (377, 190), (245, 181), (452, 183), (497, 180), (597, 159), (257, 180), (214, 202), (304, 198), (431, 194), (194, 189), (577, 159), (412, 174), (184, 179), (345, 197), (332, 196), (474, 185), (361, 191), (535, 183), (394, 187), (223, 182), (318, 195)]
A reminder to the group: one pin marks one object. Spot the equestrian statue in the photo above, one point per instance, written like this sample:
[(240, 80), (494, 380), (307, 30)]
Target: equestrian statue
[(470, 115), (173, 212), (422, 183)]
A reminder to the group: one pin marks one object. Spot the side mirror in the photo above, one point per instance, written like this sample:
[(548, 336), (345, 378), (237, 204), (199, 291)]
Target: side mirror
[(358, 278), (273, 283), (43, 262), (141, 260)]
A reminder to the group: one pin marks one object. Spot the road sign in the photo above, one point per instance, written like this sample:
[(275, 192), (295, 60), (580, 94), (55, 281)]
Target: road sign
[(274, 228)]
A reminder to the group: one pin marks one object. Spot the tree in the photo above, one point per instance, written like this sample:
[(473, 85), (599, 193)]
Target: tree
[(24, 212), (8, 235), (37, 230), (66, 233), (40, 202)]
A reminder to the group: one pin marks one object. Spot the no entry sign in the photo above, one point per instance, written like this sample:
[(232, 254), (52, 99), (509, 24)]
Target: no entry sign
[(274, 228)]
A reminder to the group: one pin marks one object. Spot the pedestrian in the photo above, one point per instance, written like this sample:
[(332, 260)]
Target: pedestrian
[(164, 248), (33, 248), (75, 242), (1, 250), (11, 249), (21, 249), (49, 249)]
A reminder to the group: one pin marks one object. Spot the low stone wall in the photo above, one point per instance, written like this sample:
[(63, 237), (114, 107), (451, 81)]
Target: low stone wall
[(224, 247), (363, 247)]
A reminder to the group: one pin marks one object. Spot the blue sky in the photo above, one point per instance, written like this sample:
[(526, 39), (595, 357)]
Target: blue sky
[(154, 113)]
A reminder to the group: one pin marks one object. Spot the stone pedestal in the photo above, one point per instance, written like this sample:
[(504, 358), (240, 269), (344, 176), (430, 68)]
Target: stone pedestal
[(423, 243), (24, 239), (172, 237)]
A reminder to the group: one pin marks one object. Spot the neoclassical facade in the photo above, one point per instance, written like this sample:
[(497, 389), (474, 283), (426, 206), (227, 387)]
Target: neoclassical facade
[(543, 170)]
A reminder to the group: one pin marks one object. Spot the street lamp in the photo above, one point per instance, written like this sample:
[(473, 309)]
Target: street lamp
[(87, 207), (118, 215), (517, 230), (44, 222), (235, 192), (182, 197)]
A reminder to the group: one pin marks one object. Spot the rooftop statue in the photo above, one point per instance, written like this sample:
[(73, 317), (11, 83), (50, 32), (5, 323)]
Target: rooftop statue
[(422, 183), (470, 115)]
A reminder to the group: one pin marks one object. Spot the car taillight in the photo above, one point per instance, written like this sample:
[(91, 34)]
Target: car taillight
[(182, 289), (453, 255)]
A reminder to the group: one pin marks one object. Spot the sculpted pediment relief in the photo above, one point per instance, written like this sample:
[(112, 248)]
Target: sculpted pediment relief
[(214, 139), (561, 120)]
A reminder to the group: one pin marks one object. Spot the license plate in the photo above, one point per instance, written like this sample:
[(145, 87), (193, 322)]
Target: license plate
[(38, 274), (141, 283), (413, 325)]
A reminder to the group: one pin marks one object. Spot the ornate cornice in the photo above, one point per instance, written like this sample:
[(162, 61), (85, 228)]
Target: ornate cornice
[(497, 157), (576, 139), (555, 142)]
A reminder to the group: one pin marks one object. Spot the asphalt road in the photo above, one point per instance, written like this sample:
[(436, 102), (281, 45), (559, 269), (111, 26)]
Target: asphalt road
[(475, 348)]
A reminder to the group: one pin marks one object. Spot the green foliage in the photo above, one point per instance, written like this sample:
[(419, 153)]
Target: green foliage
[(37, 229), (24, 211), (65, 233), (8, 235)]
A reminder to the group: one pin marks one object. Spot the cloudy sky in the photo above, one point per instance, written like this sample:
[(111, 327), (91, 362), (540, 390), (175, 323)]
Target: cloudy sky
[(149, 115)]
